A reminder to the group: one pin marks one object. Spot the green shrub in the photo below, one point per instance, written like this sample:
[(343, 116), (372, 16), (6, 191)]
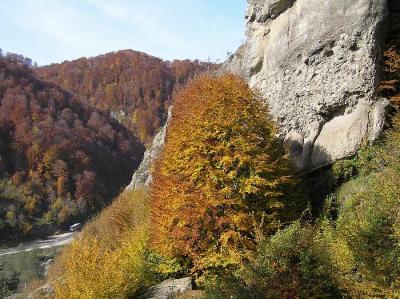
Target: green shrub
[(364, 240), (292, 264)]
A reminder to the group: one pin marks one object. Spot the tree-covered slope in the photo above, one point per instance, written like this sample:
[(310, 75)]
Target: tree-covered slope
[(134, 87), (59, 157)]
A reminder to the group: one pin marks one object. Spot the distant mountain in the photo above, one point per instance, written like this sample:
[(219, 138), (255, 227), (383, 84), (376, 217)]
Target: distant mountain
[(133, 87), (59, 158)]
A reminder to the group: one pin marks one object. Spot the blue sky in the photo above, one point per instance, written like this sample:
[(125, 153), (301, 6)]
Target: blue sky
[(55, 30)]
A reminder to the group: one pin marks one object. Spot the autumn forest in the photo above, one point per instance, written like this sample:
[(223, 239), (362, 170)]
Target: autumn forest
[(66, 150), (272, 175)]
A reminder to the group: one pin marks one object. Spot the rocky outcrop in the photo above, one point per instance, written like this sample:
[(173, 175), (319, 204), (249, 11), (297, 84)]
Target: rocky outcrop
[(170, 288), (318, 65), (45, 291), (142, 176)]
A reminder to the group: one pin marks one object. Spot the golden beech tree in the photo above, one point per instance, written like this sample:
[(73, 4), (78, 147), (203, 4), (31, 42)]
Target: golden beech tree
[(220, 178)]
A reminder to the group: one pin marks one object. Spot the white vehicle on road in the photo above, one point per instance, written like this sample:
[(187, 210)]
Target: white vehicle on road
[(75, 227)]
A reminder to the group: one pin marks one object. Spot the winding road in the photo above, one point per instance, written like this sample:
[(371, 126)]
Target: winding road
[(52, 241)]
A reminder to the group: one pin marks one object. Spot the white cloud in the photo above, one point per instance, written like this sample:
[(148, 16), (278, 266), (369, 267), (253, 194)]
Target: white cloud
[(54, 30), (56, 25), (140, 15)]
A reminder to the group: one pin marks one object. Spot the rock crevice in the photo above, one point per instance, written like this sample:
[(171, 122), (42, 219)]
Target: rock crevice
[(142, 176)]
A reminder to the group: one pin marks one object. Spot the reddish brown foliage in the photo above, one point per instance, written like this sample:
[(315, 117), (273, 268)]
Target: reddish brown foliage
[(135, 87), (390, 85), (67, 158)]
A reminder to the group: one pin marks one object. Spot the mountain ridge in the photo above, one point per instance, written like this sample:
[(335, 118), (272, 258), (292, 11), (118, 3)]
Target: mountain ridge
[(133, 87)]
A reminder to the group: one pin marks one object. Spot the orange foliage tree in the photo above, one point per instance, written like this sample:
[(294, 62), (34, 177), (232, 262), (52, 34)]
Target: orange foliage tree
[(220, 177), (390, 84)]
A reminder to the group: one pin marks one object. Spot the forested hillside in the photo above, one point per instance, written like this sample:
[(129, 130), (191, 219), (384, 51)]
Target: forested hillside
[(279, 180), (134, 87), (59, 158)]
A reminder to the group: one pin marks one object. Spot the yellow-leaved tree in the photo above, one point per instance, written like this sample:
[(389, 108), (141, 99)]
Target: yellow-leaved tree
[(220, 178)]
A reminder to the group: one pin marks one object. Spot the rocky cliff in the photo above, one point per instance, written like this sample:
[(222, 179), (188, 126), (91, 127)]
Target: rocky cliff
[(318, 65), (142, 176)]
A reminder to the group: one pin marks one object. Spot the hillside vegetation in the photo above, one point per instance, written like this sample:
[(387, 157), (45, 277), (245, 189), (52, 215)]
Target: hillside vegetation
[(110, 259), (204, 215), (59, 158), (223, 208), (351, 250), (134, 87), (390, 84)]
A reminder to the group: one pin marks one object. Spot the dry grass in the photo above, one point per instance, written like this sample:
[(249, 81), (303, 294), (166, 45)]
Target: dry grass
[(195, 294), (128, 211), (108, 259)]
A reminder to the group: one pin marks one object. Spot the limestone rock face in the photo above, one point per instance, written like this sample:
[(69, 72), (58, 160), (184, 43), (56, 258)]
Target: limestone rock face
[(318, 65), (142, 176)]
